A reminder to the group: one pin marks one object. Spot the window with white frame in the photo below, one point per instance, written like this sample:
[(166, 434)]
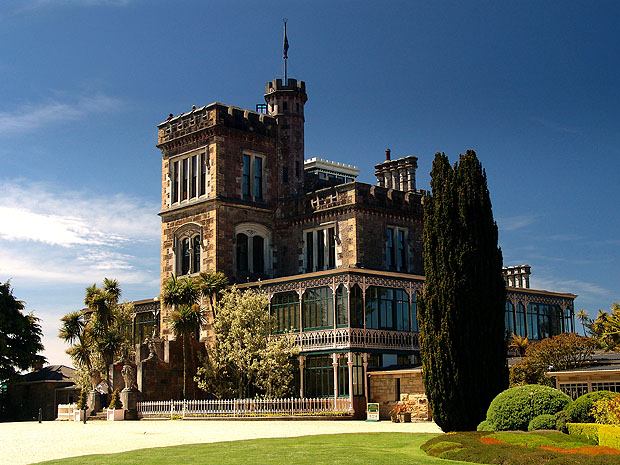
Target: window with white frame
[(252, 177), (187, 249), (252, 242), (396, 248), (188, 177), (320, 248)]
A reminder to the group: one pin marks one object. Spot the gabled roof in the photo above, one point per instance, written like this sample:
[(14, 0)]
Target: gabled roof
[(50, 373)]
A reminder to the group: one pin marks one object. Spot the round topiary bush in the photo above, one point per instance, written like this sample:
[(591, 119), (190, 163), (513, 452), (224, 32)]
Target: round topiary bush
[(485, 425), (514, 408), (545, 421), (579, 410)]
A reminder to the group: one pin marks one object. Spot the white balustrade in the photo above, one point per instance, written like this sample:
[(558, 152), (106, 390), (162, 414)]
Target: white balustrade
[(243, 407)]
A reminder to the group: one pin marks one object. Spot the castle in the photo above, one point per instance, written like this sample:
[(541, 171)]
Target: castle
[(340, 260)]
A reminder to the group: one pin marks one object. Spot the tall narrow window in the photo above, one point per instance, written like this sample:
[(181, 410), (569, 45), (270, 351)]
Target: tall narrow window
[(185, 178), (196, 254), (309, 252), (194, 187), (242, 252), (320, 249), (402, 250), (185, 257), (175, 181), (258, 178), (246, 176), (203, 173), (509, 317), (258, 257), (342, 313), (520, 327), (357, 307), (391, 254), (331, 243)]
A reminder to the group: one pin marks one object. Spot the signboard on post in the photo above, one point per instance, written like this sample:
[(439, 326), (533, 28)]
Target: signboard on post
[(372, 412)]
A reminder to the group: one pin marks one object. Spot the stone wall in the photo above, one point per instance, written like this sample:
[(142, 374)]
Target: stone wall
[(383, 390)]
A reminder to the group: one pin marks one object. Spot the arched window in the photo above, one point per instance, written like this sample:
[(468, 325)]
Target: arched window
[(187, 249), (252, 250), (242, 252)]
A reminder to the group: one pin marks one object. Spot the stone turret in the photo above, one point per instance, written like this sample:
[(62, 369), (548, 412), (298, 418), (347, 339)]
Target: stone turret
[(286, 104)]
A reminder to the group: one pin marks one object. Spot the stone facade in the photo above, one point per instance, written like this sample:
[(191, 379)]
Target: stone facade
[(387, 388)]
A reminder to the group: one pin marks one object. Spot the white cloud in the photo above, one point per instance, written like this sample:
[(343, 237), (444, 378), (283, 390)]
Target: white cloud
[(30, 117), (584, 289), (511, 223)]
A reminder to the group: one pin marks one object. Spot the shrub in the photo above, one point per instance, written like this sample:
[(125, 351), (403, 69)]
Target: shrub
[(485, 425), (560, 421), (115, 401), (545, 421), (579, 410), (584, 430), (81, 403), (609, 436), (514, 408), (607, 411)]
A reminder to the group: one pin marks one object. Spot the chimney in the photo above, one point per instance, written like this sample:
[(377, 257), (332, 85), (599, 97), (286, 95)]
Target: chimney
[(387, 154)]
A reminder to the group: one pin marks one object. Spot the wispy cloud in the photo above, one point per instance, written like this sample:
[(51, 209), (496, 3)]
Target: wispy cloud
[(30, 117), (38, 239), (26, 5), (511, 223), (584, 289), (554, 126)]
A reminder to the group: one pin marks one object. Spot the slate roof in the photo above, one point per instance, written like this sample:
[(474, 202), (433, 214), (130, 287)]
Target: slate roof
[(50, 373)]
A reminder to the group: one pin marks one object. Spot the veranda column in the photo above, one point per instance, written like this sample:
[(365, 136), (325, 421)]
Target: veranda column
[(365, 364), (302, 364), (335, 365), (350, 364)]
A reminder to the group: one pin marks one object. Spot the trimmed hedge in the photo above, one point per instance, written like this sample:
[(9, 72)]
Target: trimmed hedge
[(579, 410), (609, 436), (545, 421), (584, 430), (485, 425), (514, 408), (561, 418)]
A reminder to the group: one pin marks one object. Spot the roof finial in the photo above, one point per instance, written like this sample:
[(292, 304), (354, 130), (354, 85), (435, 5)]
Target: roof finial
[(285, 55)]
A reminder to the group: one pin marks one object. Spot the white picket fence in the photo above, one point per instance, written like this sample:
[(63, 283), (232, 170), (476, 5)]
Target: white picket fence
[(243, 407)]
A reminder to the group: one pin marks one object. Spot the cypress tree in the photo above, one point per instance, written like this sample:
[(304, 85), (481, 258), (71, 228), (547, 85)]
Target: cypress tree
[(461, 312)]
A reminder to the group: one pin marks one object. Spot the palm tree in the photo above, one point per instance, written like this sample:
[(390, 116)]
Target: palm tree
[(182, 296), (185, 322), (582, 316), (519, 344), (73, 331), (212, 284)]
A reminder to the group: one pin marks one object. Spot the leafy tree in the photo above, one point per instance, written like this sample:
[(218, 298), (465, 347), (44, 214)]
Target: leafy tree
[(244, 358), (561, 352), (212, 284), (606, 328), (20, 336), (73, 331), (461, 312)]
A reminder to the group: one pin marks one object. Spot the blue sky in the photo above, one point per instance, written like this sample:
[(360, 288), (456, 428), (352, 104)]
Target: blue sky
[(531, 86)]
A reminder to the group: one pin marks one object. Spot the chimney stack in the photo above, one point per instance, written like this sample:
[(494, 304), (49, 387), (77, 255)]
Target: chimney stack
[(387, 154)]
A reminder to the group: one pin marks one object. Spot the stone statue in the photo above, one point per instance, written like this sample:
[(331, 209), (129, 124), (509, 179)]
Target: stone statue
[(95, 377), (151, 344), (129, 376)]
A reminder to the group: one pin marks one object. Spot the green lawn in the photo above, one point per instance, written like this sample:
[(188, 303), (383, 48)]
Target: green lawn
[(361, 448)]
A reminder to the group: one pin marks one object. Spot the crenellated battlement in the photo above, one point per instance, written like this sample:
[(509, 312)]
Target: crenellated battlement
[(213, 115), (291, 85)]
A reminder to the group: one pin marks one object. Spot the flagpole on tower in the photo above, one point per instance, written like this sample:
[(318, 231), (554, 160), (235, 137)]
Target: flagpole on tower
[(285, 55)]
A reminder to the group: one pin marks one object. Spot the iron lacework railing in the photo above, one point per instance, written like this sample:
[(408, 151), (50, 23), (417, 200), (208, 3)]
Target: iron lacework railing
[(358, 338), (244, 407)]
